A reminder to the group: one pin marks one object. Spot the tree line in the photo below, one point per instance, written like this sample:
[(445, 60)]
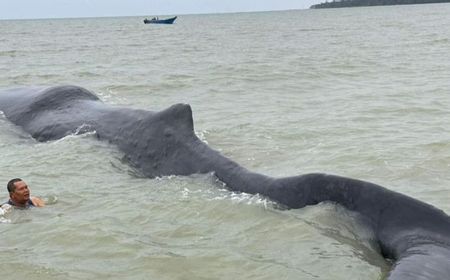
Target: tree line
[(361, 3)]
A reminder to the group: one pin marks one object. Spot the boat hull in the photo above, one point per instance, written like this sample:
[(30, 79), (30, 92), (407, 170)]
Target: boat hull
[(160, 21)]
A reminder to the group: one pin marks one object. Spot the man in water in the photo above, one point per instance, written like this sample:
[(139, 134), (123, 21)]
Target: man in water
[(19, 195)]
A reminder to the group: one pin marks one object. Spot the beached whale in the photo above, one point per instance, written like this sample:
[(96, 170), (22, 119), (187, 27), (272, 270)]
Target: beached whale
[(414, 234)]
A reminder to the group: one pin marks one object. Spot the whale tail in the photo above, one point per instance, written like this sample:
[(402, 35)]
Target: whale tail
[(425, 262)]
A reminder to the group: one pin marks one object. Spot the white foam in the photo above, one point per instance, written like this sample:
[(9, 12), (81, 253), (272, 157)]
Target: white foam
[(111, 96), (84, 130), (202, 135), (4, 210)]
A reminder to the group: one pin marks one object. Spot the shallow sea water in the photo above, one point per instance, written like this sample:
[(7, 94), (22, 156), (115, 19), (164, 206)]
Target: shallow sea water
[(360, 92)]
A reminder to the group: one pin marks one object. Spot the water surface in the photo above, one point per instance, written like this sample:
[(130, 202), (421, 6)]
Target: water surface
[(357, 92)]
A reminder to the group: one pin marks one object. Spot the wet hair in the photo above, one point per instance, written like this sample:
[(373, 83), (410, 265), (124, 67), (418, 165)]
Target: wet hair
[(11, 184)]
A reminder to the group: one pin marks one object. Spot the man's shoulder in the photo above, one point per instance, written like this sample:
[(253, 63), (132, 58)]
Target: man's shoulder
[(8, 202)]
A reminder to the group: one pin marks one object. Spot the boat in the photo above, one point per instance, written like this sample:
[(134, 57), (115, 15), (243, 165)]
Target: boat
[(160, 21)]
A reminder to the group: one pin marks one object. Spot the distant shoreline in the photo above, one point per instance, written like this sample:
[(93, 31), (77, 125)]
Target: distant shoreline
[(366, 3)]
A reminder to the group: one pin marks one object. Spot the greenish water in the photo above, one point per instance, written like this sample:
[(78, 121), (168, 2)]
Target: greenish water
[(359, 92)]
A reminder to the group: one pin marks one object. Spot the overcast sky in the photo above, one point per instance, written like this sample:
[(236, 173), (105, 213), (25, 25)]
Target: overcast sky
[(20, 9)]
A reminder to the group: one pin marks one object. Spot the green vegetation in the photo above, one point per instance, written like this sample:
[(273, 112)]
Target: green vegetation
[(362, 3)]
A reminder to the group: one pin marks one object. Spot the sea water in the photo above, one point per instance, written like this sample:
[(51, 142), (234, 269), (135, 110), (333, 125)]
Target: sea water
[(360, 92)]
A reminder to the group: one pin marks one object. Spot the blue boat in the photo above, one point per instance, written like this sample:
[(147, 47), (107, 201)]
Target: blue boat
[(160, 21)]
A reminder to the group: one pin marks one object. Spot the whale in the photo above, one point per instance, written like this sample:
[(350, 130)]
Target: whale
[(413, 235)]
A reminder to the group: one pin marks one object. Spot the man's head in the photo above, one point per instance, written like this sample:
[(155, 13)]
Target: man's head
[(18, 191)]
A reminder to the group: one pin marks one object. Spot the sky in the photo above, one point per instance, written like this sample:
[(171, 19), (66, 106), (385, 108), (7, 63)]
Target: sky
[(30, 9)]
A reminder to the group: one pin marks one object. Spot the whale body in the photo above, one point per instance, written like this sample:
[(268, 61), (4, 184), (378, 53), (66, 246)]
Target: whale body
[(415, 235)]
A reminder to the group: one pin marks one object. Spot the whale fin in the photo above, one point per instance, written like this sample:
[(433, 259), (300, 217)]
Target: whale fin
[(178, 116)]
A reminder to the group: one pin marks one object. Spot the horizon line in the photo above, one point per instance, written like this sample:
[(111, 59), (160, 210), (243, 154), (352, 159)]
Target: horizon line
[(159, 15)]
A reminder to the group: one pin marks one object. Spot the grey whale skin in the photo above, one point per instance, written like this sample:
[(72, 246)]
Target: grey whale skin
[(414, 234)]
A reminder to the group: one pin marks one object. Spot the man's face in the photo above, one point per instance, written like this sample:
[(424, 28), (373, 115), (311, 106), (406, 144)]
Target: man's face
[(22, 193)]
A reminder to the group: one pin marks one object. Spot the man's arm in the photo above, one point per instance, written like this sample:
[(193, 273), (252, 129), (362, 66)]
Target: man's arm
[(38, 202)]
